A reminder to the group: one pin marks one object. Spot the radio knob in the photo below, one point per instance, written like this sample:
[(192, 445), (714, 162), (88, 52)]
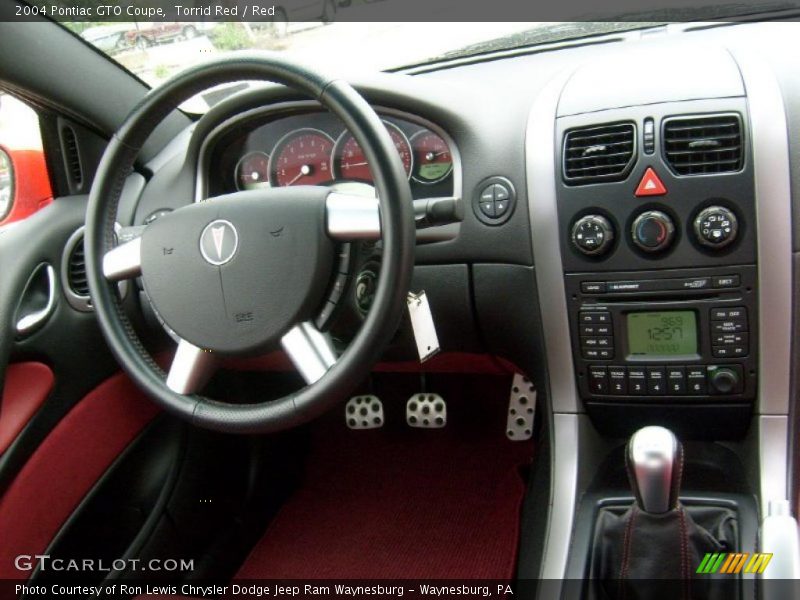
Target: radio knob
[(653, 231), (716, 227), (724, 381), (592, 235)]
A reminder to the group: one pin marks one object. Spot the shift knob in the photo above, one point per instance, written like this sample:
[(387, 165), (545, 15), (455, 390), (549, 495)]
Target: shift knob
[(654, 459)]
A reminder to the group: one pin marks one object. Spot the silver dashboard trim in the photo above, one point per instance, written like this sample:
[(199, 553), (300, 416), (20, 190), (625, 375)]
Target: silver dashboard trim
[(774, 228), (540, 159), (541, 181)]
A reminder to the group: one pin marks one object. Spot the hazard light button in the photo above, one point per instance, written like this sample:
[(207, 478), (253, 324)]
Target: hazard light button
[(650, 185)]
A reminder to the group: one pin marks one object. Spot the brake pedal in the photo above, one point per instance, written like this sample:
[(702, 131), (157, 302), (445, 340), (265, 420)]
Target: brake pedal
[(521, 409), (364, 412), (427, 411)]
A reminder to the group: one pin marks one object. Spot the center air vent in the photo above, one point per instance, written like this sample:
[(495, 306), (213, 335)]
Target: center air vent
[(703, 145), (599, 153)]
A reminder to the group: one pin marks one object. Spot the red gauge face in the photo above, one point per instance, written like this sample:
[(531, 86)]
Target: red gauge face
[(432, 158), (349, 160), (252, 172), (302, 157)]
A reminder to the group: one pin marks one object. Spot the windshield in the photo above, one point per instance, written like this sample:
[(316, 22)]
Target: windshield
[(322, 36)]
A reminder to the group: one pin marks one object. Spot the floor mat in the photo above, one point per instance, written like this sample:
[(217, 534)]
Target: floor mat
[(399, 502)]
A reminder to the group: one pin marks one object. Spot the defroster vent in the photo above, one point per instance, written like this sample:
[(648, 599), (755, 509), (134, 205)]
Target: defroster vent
[(703, 145), (599, 153)]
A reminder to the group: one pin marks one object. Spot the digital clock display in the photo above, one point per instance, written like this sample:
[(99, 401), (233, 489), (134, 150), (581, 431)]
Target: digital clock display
[(665, 334)]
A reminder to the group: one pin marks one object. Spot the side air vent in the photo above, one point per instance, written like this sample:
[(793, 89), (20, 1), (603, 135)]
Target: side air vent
[(703, 145), (77, 270), (599, 153), (72, 156), (73, 273)]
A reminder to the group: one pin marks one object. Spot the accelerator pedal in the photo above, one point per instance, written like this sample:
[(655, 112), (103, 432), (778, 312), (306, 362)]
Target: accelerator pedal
[(521, 409), (364, 412), (426, 411)]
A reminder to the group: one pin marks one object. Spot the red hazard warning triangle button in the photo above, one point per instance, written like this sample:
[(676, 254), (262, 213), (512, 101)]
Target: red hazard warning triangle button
[(650, 185)]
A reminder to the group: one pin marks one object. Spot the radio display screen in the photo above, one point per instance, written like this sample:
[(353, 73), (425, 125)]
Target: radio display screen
[(665, 334)]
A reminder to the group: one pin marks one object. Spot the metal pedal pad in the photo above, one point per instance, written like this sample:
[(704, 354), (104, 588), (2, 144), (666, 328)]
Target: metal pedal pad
[(521, 409), (364, 412), (427, 411)]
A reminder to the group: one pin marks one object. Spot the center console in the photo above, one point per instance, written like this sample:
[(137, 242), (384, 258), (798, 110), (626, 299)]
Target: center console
[(658, 243)]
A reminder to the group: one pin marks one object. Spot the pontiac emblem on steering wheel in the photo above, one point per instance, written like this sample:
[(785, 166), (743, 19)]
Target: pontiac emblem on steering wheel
[(218, 242)]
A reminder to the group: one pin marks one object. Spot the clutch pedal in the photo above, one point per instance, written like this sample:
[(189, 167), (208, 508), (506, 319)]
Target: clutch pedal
[(521, 409), (364, 412), (426, 411)]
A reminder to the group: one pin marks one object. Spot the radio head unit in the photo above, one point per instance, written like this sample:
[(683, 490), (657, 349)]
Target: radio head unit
[(677, 335)]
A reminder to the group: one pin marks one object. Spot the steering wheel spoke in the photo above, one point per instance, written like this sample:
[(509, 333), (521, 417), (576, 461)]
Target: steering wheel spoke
[(310, 350), (191, 368), (352, 217), (123, 261)]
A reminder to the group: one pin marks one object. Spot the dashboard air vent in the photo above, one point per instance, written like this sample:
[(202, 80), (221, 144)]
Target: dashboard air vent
[(598, 153), (72, 156), (703, 145), (76, 270)]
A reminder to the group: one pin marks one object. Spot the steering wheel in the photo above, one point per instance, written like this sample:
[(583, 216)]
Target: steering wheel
[(236, 275)]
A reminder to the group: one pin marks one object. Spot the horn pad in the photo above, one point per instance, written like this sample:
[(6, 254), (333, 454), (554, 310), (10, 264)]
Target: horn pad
[(234, 273)]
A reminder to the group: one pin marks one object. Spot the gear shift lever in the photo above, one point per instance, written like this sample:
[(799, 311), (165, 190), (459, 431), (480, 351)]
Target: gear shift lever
[(654, 459)]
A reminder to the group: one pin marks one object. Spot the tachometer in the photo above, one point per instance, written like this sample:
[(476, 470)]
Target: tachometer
[(302, 157), (350, 163), (252, 171), (433, 160)]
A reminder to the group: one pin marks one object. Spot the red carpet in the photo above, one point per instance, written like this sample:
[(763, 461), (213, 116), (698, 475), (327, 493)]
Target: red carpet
[(405, 503)]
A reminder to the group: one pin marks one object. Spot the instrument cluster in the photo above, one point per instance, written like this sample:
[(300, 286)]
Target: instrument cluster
[(314, 148)]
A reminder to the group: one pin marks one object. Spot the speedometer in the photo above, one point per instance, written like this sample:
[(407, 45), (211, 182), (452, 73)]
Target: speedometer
[(350, 163), (302, 157)]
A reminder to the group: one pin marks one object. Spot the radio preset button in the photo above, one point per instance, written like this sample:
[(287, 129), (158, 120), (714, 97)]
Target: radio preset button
[(676, 381), (637, 381), (696, 381), (598, 379), (656, 381), (617, 382)]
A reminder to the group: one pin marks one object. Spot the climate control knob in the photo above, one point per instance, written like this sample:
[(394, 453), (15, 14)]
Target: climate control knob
[(653, 231), (716, 227), (592, 235)]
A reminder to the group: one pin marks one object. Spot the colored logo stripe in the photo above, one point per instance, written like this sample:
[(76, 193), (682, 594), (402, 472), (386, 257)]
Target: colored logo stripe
[(733, 563)]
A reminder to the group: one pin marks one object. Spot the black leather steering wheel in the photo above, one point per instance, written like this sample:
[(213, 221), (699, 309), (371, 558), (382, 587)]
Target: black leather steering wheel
[(236, 275)]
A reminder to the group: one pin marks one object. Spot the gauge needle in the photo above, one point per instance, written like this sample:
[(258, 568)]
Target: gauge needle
[(432, 155), (304, 170), (351, 165)]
